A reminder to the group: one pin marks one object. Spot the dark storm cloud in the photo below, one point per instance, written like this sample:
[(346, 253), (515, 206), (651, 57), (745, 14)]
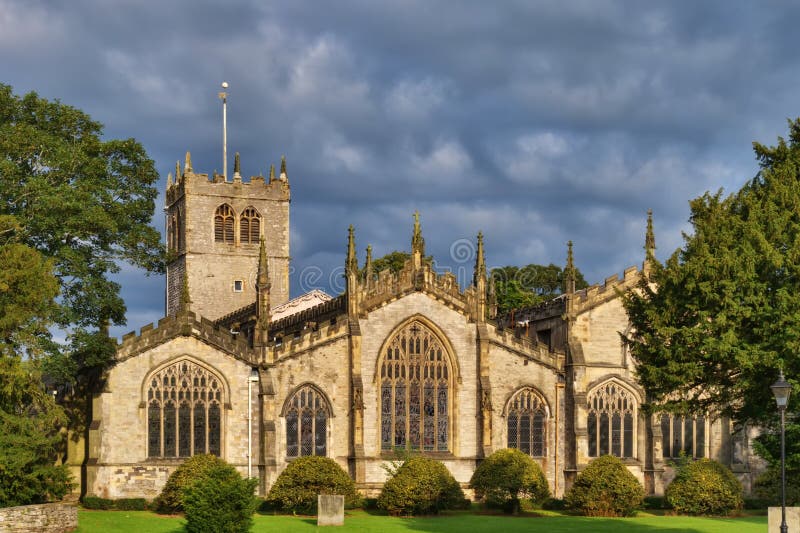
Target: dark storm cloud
[(534, 122)]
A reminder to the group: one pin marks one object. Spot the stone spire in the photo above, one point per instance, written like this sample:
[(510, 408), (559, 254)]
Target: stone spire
[(272, 173), (188, 165), (237, 175), (649, 244), (569, 271), (417, 242), (368, 266), (351, 275), (479, 274), (178, 173), (351, 264), (283, 175), (262, 297), (169, 180)]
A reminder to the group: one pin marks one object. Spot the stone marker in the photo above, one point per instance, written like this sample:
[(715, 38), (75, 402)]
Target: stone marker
[(330, 510), (792, 519)]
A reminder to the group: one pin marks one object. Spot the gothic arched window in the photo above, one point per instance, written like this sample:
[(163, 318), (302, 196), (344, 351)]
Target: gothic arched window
[(184, 411), (306, 415), (527, 422), (415, 381), (683, 434), (223, 224), (611, 421), (249, 226)]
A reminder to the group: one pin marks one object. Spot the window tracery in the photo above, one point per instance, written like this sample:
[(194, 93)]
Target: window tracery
[(223, 224), (184, 415), (611, 421), (527, 423), (250, 226), (306, 423), (415, 391), (683, 434)]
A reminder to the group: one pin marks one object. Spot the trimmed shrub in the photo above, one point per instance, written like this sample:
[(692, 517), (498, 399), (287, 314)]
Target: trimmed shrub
[(705, 487), (297, 487), (508, 475), (605, 488), (122, 504), (220, 502), (170, 500), (98, 504), (421, 486)]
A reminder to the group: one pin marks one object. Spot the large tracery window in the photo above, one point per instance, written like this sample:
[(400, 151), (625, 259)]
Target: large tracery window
[(223, 224), (184, 411), (611, 421), (249, 226), (683, 434), (307, 416), (415, 383), (527, 423)]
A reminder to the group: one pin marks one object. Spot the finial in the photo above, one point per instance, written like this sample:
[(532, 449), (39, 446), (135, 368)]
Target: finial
[(272, 173), (417, 242), (169, 180), (283, 175), (480, 262), (237, 176), (351, 266), (569, 271), (650, 237), (368, 265), (178, 173), (188, 164), (262, 278)]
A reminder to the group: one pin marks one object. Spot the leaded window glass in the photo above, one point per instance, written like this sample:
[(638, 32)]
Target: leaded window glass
[(223, 224), (683, 435), (611, 421), (183, 413), (249, 226), (415, 382), (526, 423), (306, 423)]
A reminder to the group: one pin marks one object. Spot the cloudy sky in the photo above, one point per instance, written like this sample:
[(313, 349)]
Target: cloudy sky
[(534, 122)]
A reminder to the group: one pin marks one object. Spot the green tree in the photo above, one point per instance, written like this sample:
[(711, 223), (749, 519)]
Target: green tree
[(506, 476), (86, 204), (520, 287), (714, 325), (29, 418)]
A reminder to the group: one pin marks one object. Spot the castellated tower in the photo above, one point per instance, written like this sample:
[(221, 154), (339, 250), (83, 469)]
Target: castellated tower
[(214, 228)]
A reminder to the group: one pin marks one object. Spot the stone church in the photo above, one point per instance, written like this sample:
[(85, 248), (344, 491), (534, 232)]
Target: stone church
[(399, 362)]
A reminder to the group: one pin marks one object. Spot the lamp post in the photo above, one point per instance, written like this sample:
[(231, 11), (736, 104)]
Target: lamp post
[(781, 389), (252, 378)]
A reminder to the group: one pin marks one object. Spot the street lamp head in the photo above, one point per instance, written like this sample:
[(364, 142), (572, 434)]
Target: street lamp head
[(781, 389)]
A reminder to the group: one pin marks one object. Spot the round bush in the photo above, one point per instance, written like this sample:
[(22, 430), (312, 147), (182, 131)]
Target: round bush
[(170, 500), (705, 487), (605, 488), (421, 486), (508, 475), (297, 487), (220, 502)]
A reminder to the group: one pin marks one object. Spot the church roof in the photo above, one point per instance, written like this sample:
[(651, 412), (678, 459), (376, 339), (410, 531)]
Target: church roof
[(301, 303)]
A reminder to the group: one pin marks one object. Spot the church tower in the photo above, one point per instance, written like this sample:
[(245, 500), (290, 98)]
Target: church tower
[(214, 229)]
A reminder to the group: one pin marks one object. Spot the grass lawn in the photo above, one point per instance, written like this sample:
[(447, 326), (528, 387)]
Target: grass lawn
[(146, 522)]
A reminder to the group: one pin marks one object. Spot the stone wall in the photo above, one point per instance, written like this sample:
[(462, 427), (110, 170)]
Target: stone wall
[(44, 518)]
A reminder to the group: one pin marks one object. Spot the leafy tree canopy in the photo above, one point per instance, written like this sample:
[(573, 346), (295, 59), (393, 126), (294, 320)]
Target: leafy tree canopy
[(722, 315), (85, 204), (519, 287)]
